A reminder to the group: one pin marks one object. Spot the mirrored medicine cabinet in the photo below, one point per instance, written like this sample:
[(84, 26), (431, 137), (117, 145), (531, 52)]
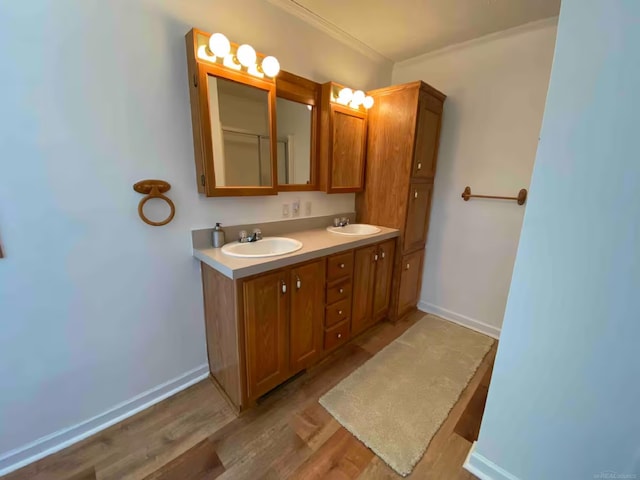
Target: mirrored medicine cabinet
[(253, 135)]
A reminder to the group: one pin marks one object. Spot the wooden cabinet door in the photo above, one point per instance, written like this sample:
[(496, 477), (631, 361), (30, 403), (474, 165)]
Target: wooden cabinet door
[(410, 281), (364, 276), (417, 225), (266, 300), (427, 137), (305, 315), (384, 272), (348, 137)]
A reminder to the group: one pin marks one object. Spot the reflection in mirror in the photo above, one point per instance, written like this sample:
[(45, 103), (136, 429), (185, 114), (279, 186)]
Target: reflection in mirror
[(240, 134), (294, 142)]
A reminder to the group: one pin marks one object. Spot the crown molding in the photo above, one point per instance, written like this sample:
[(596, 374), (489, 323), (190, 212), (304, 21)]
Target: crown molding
[(519, 29), (294, 8)]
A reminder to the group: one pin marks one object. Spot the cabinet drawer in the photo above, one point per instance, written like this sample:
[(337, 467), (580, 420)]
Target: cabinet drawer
[(339, 291), (338, 312), (336, 335), (340, 265)]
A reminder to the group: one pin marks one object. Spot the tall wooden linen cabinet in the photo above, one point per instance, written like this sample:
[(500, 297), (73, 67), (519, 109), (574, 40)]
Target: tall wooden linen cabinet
[(402, 152)]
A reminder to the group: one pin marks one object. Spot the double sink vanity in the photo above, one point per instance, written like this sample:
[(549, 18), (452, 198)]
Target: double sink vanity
[(277, 305), (270, 314)]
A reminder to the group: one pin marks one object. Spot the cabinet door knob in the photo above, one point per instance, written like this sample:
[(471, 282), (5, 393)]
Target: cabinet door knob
[(375, 257), (339, 335), (408, 266), (284, 287), (342, 265), (339, 312), (382, 254), (298, 283), (341, 290), (415, 194), (419, 166)]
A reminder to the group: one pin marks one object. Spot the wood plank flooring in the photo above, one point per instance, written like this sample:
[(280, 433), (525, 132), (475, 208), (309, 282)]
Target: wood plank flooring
[(195, 435)]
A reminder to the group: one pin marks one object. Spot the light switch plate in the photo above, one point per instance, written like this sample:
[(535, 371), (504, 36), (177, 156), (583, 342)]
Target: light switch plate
[(285, 209)]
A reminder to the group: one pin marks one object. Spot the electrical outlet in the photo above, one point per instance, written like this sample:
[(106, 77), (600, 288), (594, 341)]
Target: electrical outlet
[(307, 208), (295, 208), (285, 209)]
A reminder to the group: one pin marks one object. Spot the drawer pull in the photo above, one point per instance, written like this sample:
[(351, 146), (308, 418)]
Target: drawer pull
[(339, 312), (342, 265), (339, 335), (284, 287), (375, 257), (341, 290), (408, 266), (382, 254), (298, 283), (415, 194), (419, 166)]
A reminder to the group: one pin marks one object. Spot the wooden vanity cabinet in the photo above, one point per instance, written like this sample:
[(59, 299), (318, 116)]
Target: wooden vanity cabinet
[(372, 277), (283, 312), (342, 145), (262, 330), (402, 151)]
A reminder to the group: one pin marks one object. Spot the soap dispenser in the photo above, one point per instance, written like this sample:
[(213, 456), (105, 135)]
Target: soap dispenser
[(218, 236)]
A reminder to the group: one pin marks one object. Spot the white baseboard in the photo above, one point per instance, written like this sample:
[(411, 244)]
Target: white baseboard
[(26, 454), (463, 320), (485, 469)]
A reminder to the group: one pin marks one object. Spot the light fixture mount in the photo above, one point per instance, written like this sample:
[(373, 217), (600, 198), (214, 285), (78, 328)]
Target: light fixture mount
[(218, 49)]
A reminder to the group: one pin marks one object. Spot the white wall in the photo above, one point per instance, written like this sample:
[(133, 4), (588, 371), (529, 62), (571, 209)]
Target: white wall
[(496, 89), (564, 396), (97, 307)]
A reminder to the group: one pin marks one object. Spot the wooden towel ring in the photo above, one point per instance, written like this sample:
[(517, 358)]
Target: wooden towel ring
[(154, 189)]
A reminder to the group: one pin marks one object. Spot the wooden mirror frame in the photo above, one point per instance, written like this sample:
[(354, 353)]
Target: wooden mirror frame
[(199, 70), (302, 90)]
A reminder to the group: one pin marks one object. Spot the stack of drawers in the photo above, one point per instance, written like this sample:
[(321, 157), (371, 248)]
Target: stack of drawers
[(337, 319)]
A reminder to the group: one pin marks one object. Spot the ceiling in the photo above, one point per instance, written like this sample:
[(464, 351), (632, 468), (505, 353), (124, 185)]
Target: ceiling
[(401, 29)]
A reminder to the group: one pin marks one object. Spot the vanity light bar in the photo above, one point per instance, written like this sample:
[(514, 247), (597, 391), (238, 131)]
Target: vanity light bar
[(346, 96), (238, 57)]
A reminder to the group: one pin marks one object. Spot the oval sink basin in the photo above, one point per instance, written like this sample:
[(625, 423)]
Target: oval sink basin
[(355, 229), (267, 247)]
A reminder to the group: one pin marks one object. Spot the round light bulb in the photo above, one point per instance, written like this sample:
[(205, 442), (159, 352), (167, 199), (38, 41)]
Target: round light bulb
[(368, 102), (358, 97), (246, 55), (345, 95), (270, 66), (219, 45)]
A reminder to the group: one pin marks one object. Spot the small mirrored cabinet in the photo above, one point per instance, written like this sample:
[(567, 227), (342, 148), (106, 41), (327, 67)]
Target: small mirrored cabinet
[(233, 110), (297, 105)]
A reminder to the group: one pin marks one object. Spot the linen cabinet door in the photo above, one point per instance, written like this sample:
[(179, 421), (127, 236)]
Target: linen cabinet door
[(306, 314), (364, 276), (265, 305), (410, 282), (427, 138), (384, 274), (418, 211)]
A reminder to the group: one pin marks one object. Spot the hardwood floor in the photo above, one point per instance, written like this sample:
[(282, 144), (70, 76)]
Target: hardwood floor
[(195, 435)]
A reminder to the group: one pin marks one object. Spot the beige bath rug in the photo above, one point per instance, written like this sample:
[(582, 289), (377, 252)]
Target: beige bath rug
[(398, 399)]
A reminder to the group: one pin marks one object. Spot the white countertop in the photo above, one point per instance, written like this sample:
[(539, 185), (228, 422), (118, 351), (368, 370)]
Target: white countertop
[(315, 244)]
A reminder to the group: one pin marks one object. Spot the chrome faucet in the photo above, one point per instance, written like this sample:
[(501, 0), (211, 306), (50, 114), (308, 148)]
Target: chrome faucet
[(340, 222), (254, 237)]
